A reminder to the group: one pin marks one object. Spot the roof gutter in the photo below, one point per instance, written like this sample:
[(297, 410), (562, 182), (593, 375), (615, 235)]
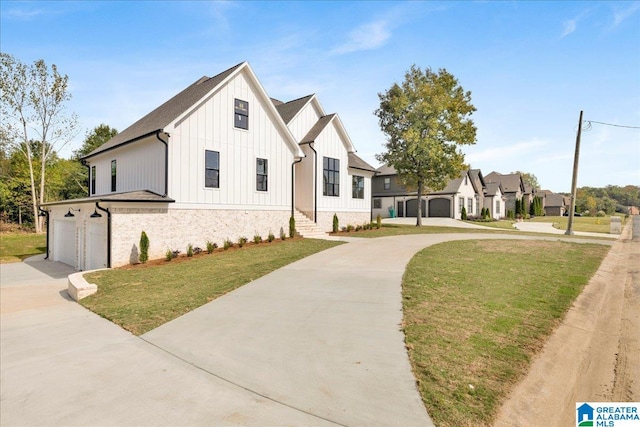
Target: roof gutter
[(138, 138), (293, 184), (108, 233), (166, 162), (315, 180)]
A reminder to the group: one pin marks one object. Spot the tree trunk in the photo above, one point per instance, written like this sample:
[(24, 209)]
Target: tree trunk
[(43, 161), (419, 219)]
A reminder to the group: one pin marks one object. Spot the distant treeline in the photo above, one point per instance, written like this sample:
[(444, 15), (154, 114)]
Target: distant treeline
[(609, 199)]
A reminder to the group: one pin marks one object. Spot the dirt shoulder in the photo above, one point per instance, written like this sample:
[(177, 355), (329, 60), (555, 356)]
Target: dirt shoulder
[(595, 354)]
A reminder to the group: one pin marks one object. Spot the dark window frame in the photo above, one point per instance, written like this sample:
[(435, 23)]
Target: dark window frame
[(377, 203), (330, 177), (357, 187), (114, 172), (387, 183), (262, 174), (211, 169), (240, 114), (93, 180)]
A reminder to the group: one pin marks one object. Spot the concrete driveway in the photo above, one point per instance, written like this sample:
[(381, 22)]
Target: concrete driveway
[(317, 342)]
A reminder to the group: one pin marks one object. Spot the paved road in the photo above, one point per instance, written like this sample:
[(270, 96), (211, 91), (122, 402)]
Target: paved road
[(315, 343)]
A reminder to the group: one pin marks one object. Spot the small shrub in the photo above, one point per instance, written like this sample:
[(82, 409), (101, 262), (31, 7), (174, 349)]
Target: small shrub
[(271, 237), (227, 244), (349, 228), (175, 253), (358, 227), (378, 222), (197, 250), (292, 227), (282, 235), (241, 241), (168, 256), (257, 238), (463, 214), (189, 250), (336, 226), (144, 247), (601, 214), (211, 246)]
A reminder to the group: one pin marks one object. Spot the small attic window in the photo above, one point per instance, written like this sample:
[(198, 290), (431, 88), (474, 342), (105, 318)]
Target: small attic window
[(241, 114)]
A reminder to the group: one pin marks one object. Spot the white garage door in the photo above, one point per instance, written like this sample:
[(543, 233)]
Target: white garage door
[(64, 249), (96, 246)]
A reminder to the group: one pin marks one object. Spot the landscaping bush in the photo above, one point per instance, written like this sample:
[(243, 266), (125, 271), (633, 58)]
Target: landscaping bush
[(175, 253), (197, 250), (282, 235), (601, 214), (378, 221), (211, 246), (463, 214), (227, 244), (336, 225), (292, 227), (241, 241), (257, 238), (349, 228), (144, 247), (168, 256), (271, 237), (189, 250)]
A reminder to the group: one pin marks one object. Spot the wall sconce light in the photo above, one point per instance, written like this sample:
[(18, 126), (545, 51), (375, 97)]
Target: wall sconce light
[(42, 213), (69, 214), (95, 214)]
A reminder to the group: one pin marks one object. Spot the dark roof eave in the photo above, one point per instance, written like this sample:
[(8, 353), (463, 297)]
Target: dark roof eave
[(107, 199), (137, 138)]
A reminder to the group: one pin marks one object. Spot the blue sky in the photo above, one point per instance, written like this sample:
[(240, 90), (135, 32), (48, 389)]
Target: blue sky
[(530, 66)]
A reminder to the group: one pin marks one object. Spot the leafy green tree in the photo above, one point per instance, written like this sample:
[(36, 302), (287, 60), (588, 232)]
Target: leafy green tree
[(94, 139), (33, 106), (426, 119)]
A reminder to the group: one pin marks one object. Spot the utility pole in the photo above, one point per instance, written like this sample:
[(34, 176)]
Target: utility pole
[(574, 181)]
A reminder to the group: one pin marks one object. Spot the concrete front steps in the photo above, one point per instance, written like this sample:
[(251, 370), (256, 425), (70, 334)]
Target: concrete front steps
[(307, 228)]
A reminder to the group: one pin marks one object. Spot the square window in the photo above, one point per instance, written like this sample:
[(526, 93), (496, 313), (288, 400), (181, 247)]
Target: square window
[(377, 203)]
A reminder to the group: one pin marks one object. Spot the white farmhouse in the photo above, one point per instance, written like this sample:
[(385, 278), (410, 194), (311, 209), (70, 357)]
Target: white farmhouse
[(219, 160)]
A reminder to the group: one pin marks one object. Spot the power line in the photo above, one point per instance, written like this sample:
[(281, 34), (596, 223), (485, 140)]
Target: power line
[(611, 124)]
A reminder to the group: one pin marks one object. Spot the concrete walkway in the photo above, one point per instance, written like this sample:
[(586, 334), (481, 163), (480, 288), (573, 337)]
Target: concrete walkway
[(315, 343)]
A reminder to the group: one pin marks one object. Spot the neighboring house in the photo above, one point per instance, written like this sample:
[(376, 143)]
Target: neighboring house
[(494, 200), (552, 203), (512, 186), (389, 194), (219, 160)]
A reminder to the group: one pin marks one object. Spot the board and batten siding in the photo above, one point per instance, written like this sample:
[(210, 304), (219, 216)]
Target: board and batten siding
[(139, 166), (305, 120), (211, 127)]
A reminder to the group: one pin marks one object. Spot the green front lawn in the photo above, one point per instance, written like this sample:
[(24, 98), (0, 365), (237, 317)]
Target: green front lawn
[(580, 223), (146, 296), (14, 247), (473, 326)]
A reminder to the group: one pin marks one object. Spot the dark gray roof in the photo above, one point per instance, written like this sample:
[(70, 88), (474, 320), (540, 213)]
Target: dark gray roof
[(317, 129), (288, 110), (511, 183), (167, 112), (492, 188), (356, 162), (476, 174), (386, 170), (145, 196), (554, 200), (452, 186)]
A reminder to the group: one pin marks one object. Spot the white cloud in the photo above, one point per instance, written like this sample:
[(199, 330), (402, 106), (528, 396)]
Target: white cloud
[(620, 15), (365, 37), (569, 27), (25, 14)]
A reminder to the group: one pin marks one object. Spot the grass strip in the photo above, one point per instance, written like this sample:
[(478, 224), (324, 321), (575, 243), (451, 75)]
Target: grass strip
[(142, 298), (475, 312), (15, 247)]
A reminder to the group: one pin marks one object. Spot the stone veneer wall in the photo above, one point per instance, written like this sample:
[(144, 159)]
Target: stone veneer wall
[(175, 228), (325, 219)]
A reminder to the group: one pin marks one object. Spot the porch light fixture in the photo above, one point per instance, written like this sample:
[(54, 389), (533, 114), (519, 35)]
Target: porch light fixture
[(69, 214), (95, 214), (42, 213)]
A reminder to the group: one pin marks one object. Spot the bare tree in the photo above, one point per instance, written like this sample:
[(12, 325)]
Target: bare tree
[(33, 105)]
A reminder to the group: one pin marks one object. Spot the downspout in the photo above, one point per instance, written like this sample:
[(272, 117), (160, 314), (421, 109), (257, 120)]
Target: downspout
[(315, 181), (108, 233), (293, 184), (166, 163), (84, 163), (46, 212)]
